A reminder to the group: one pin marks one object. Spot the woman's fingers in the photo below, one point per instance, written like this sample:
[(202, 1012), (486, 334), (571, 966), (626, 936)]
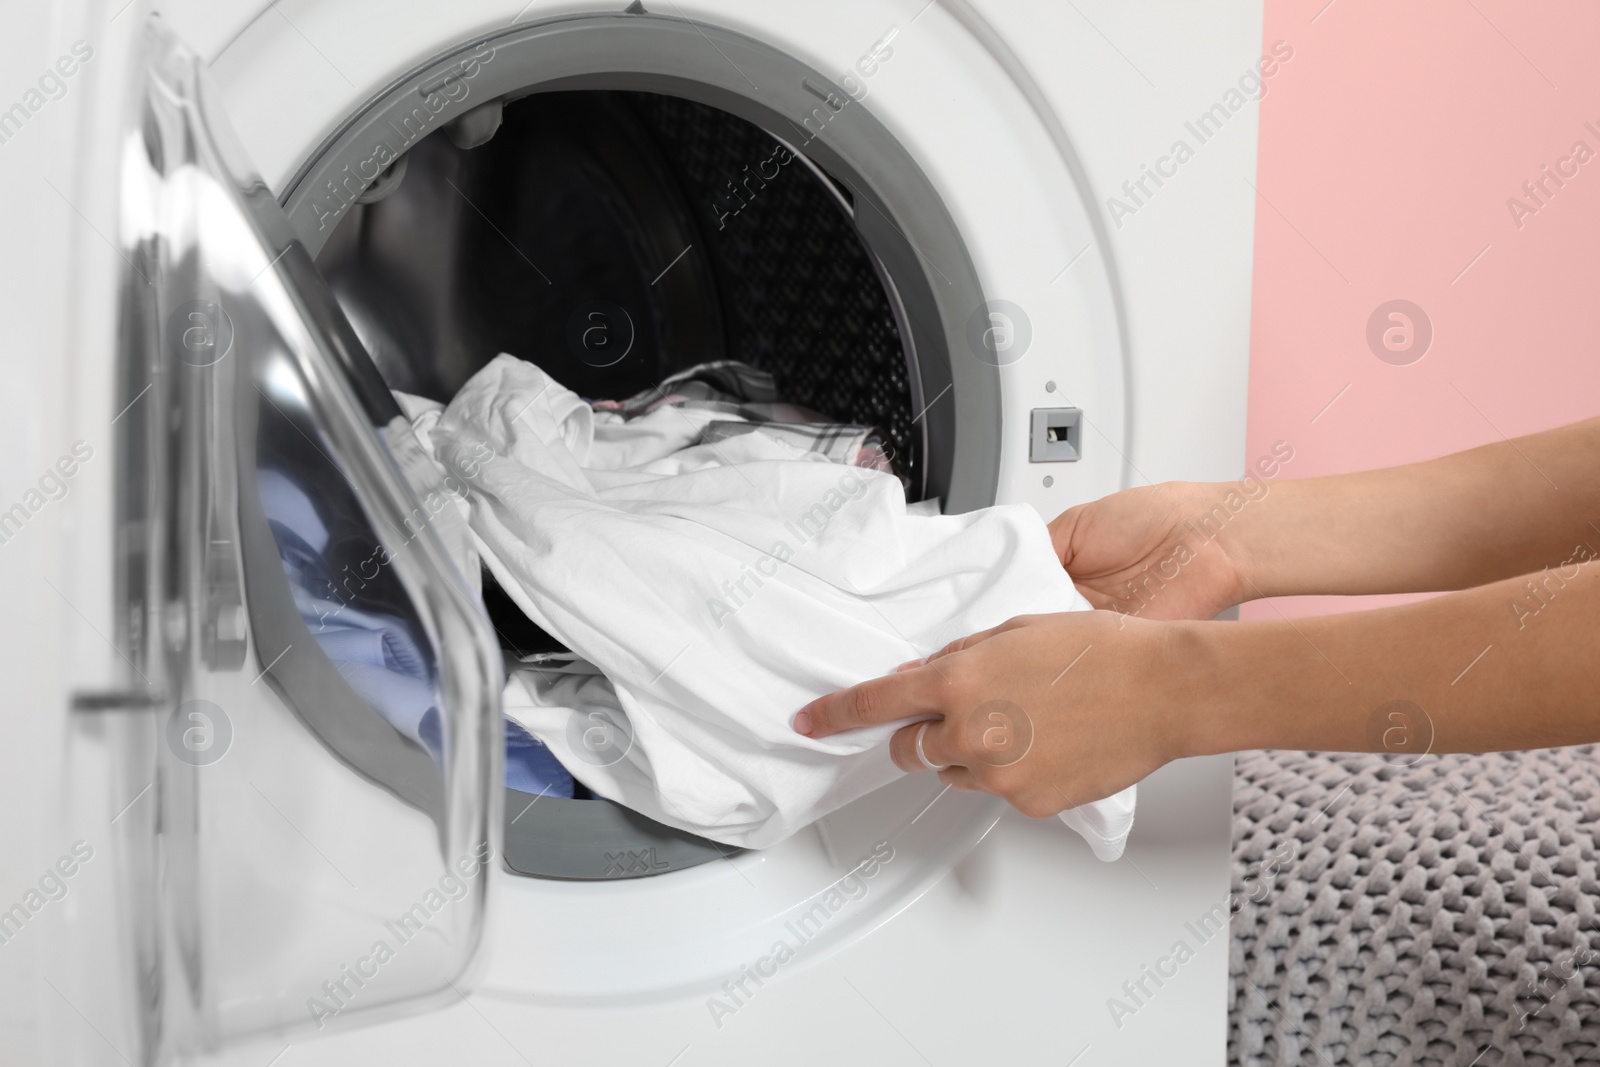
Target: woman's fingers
[(1101, 600), (954, 646), (1061, 528), (920, 687), (960, 779), (934, 755), (903, 695), (961, 644)]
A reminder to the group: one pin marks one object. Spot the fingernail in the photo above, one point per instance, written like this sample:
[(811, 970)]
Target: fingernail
[(802, 723), (910, 665)]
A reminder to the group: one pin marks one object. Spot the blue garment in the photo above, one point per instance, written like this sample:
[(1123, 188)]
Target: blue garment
[(377, 653), (533, 768)]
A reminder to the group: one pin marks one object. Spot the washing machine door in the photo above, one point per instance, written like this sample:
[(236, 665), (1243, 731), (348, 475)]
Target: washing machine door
[(319, 753)]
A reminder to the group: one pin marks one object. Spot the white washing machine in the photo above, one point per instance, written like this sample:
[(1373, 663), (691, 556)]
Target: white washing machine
[(899, 207)]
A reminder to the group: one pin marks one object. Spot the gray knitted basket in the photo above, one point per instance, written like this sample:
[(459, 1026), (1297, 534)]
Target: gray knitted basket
[(1441, 912)]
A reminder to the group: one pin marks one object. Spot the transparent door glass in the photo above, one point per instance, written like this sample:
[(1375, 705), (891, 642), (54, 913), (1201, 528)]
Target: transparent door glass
[(325, 744)]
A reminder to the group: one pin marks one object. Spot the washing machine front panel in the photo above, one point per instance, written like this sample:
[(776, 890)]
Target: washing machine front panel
[(294, 72), (970, 241)]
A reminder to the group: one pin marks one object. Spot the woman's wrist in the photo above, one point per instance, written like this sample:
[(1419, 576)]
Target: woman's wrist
[(1230, 678), (1225, 519), (1249, 541), (1200, 688)]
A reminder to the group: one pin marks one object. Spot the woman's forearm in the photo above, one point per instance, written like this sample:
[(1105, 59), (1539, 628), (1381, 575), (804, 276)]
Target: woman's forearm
[(1509, 508), (1511, 665)]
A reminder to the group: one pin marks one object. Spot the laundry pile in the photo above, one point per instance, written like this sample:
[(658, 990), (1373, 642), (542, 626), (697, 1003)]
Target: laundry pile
[(714, 559)]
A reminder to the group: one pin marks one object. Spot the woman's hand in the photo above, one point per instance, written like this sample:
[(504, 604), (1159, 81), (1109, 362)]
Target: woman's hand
[(1160, 552), (1053, 711), (1046, 711)]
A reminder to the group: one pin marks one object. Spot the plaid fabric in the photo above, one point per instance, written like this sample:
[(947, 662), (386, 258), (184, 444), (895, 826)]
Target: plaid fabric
[(750, 397), (855, 446), (725, 381)]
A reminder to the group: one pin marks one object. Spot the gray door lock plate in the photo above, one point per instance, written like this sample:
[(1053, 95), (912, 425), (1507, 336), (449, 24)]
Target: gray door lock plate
[(1056, 435)]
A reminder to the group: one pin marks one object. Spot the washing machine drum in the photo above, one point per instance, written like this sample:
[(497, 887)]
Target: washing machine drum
[(614, 236)]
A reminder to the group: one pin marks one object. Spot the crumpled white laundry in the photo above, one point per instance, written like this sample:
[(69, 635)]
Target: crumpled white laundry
[(715, 589)]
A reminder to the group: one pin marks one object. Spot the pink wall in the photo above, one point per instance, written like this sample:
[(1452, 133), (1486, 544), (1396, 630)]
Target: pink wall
[(1389, 150)]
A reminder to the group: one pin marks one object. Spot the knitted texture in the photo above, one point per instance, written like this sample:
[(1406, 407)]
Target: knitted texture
[(1433, 910)]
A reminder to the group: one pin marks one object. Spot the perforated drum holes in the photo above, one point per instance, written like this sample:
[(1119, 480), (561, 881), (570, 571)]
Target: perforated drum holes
[(596, 739), (999, 733), (199, 732), (199, 333), (600, 333), (999, 333), (1399, 332), (1401, 731)]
